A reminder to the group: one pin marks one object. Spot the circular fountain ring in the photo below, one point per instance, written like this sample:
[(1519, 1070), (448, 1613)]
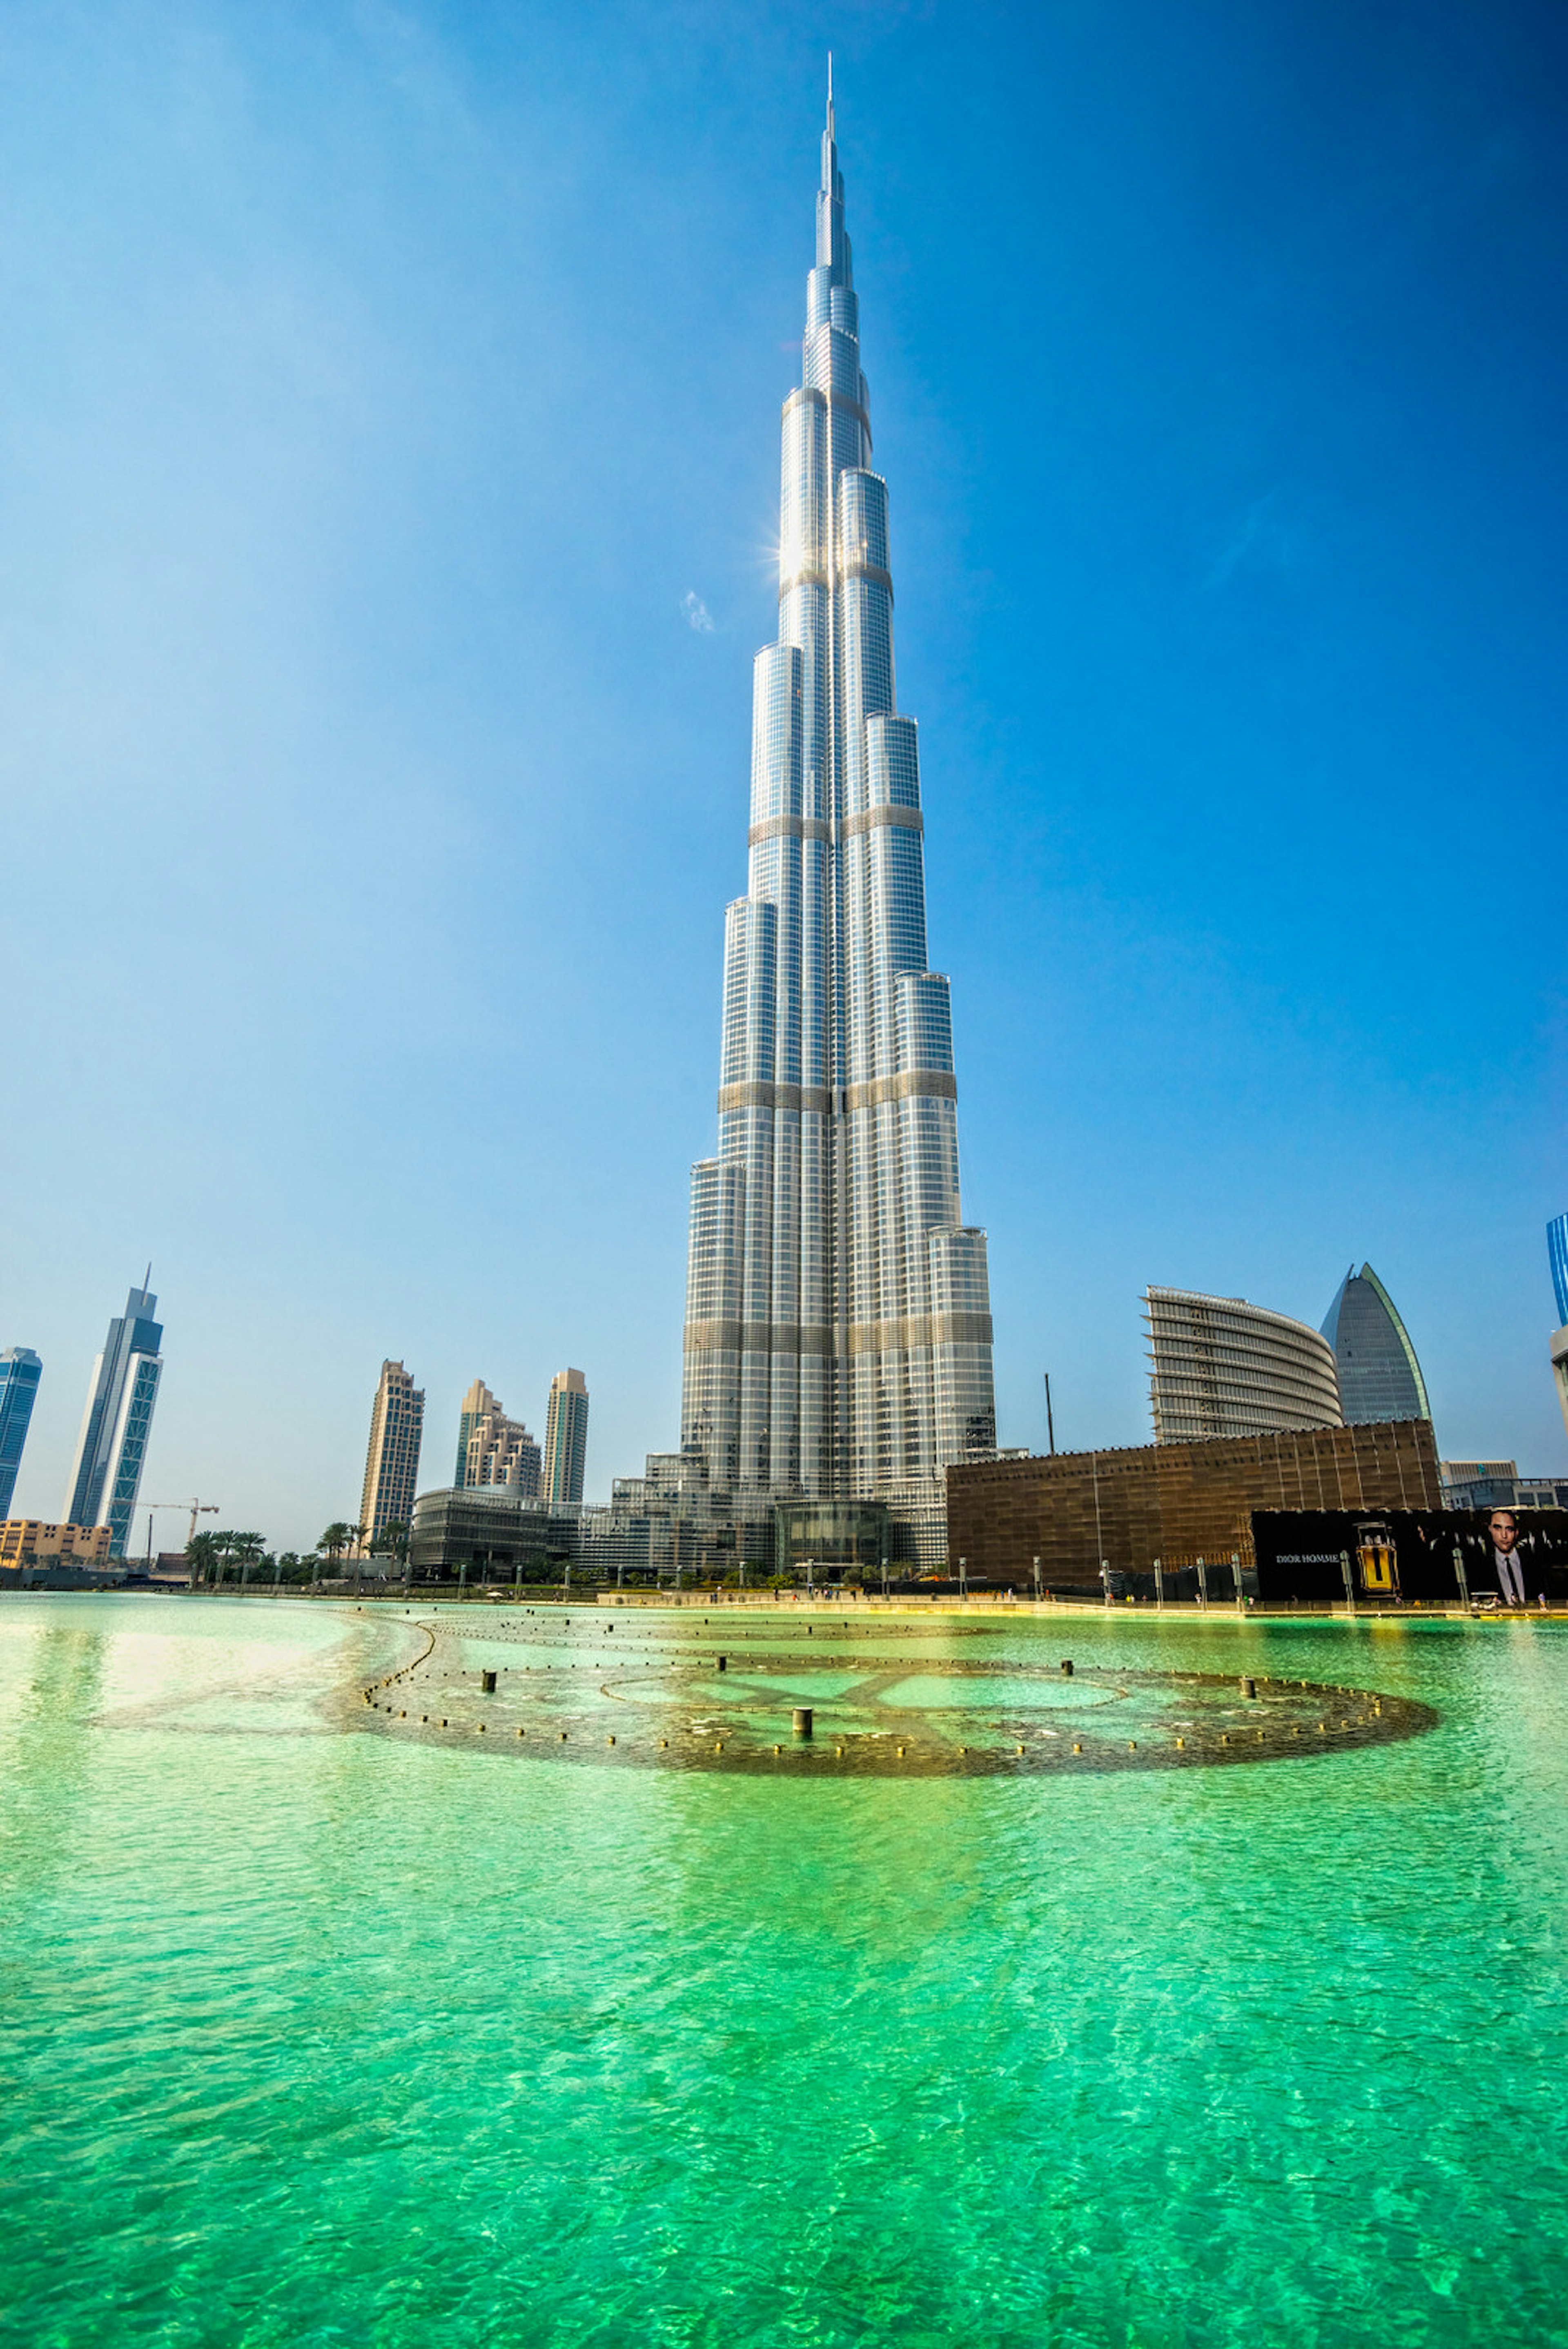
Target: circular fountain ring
[(887, 1716)]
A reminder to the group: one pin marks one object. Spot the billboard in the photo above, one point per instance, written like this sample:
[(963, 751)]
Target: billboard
[(1499, 1558)]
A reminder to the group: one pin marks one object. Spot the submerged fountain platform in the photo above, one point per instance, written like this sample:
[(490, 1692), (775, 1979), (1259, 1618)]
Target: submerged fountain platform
[(765, 1702)]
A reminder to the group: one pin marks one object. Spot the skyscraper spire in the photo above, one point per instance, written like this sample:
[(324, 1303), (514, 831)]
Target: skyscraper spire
[(838, 1324)]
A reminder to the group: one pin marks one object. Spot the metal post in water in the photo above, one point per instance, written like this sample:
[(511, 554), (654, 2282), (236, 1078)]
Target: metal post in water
[(1459, 1570), (803, 1720), (1037, 1582), (1349, 1586), (1202, 1584)]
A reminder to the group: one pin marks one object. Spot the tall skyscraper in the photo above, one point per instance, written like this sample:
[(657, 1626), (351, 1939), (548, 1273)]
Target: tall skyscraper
[(20, 1370), (1379, 1377), (1557, 1256), (392, 1461), (491, 1448), (567, 1437), (1220, 1366), (1557, 1252), (106, 1472), (838, 1330)]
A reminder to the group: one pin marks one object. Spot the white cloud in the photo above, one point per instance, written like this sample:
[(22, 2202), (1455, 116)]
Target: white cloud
[(698, 615)]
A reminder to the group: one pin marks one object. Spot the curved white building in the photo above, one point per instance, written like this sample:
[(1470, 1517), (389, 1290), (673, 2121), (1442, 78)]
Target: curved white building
[(1220, 1366), (838, 1330)]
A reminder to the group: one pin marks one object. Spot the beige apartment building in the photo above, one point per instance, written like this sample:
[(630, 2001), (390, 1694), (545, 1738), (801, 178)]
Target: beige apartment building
[(27, 1541), (392, 1461), (493, 1449)]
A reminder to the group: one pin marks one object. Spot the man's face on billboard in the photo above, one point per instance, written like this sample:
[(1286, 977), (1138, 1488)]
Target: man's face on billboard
[(1504, 1531)]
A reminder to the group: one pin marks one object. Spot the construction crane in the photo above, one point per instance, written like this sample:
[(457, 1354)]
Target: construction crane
[(197, 1509)]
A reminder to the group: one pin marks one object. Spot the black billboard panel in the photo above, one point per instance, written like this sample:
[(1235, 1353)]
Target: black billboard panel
[(1434, 1557)]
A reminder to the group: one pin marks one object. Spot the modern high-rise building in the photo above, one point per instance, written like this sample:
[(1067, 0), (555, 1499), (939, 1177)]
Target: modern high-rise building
[(392, 1461), (1379, 1377), (20, 1370), (106, 1471), (1220, 1366), (838, 1330), (1557, 1251), (1557, 1254), (567, 1437), (491, 1448)]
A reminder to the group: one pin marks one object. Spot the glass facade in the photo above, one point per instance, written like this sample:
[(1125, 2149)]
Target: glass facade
[(1557, 1251), (489, 1533), (838, 1332), (20, 1370), (1379, 1377), (106, 1475)]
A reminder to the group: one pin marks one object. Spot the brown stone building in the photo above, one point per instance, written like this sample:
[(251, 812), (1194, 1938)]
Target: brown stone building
[(1174, 1502)]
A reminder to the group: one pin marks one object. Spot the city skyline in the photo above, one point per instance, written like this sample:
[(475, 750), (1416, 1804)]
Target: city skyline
[(1215, 384)]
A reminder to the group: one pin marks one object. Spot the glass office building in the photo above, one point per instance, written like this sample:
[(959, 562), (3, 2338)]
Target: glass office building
[(20, 1370), (838, 1330), (1557, 1251), (106, 1475), (1379, 1377)]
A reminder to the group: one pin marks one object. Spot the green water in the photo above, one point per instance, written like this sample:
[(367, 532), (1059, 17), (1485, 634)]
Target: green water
[(313, 2035)]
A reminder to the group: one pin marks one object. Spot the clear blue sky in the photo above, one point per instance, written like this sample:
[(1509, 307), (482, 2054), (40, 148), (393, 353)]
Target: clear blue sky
[(379, 383)]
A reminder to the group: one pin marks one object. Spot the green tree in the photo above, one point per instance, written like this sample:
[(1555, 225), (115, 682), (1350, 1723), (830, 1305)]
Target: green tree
[(337, 1538), (202, 1556)]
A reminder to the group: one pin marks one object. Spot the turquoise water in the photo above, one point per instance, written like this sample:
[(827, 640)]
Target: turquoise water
[(313, 2035)]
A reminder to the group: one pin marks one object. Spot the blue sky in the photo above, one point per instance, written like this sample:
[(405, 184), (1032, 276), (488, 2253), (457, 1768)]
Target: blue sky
[(381, 383)]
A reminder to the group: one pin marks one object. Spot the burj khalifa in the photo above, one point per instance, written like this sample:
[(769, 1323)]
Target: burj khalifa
[(838, 1331)]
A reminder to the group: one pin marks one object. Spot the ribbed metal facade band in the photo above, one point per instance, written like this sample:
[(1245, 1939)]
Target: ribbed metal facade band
[(838, 1324), (906, 1085), (788, 827), (877, 1337)]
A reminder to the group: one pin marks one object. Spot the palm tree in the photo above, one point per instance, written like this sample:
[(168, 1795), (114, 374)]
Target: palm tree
[(337, 1538), (202, 1555), (246, 1548)]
